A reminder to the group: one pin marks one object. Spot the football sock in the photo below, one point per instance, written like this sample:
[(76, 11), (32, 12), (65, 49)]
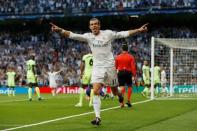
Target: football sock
[(81, 95), (146, 91), (129, 93), (30, 93), (53, 92), (13, 92), (156, 91), (37, 92), (9, 91), (166, 90), (97, 105)]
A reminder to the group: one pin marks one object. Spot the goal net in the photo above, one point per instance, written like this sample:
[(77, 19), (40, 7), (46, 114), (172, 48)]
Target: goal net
[(177, 58)]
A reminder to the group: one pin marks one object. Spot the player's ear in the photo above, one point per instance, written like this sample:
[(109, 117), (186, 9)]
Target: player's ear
[(99, 23)]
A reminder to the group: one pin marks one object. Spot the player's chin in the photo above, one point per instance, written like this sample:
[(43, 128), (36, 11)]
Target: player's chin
[(95, 32)]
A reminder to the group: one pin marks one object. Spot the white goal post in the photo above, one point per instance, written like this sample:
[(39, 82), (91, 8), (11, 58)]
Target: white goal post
[(178, 56)]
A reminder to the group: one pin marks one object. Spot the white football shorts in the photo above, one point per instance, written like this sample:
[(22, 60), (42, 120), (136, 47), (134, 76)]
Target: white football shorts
[(105, 75)]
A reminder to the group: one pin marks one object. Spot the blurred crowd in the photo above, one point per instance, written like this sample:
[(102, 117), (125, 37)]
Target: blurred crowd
[(53, 50), (86, 6)]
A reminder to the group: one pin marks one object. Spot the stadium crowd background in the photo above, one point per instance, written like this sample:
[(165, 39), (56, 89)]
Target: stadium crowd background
[(51, 49), (47, 6), (67, 53)]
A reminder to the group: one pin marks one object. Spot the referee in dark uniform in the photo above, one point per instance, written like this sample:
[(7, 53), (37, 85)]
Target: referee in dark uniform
[(126, 67)]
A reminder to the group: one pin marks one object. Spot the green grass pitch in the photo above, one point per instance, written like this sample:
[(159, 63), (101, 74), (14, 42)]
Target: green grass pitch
[(59, 114)]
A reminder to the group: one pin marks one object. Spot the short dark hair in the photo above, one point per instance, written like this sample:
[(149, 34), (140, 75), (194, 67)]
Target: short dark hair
[(94, 18), (32, 56), (125, 47)]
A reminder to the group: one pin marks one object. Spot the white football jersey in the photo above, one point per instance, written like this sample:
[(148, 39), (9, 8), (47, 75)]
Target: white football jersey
[(101, 45), (163, 76), (52, 76)]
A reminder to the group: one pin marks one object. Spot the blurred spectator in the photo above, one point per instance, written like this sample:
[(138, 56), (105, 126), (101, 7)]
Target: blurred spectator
[(52, 51), (85, 6)]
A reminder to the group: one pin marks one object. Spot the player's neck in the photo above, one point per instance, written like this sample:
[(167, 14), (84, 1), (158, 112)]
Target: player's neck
[(97, 33)]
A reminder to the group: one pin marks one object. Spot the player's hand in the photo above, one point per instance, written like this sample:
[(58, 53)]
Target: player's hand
[(143, 28), (55, 28)]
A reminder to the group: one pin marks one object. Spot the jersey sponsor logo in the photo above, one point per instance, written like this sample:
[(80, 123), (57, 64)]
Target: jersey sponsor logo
[(96, 45), (100, 44)]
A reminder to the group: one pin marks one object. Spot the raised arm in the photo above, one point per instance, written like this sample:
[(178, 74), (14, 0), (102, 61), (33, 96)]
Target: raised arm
[(124, 34), (68, 34), (139, 30), (57, 29)]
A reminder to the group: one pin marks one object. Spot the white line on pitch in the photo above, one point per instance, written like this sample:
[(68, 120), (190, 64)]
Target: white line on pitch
[(10, 124), (44, 98), (176, 98), (7, 101), (67, 117)]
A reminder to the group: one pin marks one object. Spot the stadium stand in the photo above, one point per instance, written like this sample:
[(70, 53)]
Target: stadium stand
[(14, 48), (74, 6)]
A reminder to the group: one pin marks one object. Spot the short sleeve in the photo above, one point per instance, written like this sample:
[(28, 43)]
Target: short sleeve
[(83, 59)]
